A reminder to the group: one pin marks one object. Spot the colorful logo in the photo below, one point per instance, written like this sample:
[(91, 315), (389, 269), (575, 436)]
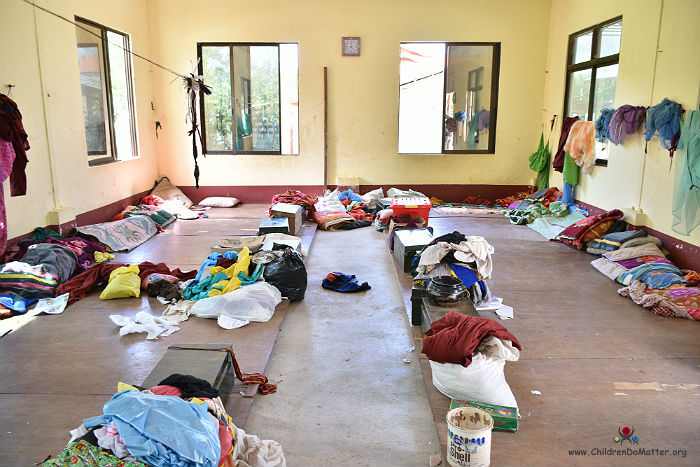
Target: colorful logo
[(626, 434), (505, 412)]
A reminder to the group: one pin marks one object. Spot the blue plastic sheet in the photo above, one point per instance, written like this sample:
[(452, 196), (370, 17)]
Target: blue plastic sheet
[(162, 430)]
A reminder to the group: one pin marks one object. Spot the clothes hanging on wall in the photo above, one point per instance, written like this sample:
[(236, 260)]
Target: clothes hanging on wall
[(602, 125), (625, 120), (686, 195), (539, 162), (571, 170), (7, 158), (581, 145), (558, 162), (11, 130), (664, 118)]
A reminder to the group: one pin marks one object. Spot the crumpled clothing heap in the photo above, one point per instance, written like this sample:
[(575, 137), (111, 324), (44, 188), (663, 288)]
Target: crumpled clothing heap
[(341, 282), (85, 454), (673, 302), (162, 431), (143, 322), (222, 280), (474, 249), (655, 275), (535, 211), (294, 197), (251, 451), (454, 338), (581, 145)]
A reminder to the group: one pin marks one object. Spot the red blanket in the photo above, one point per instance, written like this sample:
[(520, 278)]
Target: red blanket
[(588, 229), (454, 338), (84, 282), (294, 197)]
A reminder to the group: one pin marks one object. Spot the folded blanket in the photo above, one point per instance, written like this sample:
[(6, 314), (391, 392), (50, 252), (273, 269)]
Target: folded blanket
[(642, 241), (608, 268), (613, 241), (648, 249), (331, 220), (588, 229)]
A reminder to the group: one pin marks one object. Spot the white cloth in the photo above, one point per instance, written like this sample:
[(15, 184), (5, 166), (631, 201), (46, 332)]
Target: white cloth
[(608, 268), (178, 312), (251, 451), (108, 438), (255, 302), (473, 249), (143, 322)]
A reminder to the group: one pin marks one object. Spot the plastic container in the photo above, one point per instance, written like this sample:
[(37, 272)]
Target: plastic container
[(469, 437), (413, 206)]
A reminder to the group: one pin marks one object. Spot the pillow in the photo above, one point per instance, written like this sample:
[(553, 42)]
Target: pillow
[(219, 202), (123, 282), (166, 190)]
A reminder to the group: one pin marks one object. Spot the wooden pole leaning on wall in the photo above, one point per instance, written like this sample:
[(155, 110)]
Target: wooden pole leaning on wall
[(325, 128)]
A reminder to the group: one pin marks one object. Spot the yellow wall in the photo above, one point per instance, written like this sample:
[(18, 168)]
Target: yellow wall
[(362, 91), (41, 60), (639, 183)]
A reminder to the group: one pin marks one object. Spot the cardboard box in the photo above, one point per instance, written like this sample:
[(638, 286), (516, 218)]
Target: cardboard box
[(504, 418), (293, 212)]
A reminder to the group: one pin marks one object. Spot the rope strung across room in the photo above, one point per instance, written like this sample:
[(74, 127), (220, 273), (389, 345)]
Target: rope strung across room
[(193, 84)]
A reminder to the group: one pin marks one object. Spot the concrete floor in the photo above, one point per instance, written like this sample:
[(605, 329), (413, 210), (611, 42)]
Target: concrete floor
[(345, 395)]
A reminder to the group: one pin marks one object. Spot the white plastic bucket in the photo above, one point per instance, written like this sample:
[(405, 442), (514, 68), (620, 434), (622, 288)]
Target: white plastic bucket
[(469, 437)]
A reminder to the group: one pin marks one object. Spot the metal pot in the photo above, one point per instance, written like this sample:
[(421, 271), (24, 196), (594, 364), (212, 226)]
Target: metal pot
[(446, 290)]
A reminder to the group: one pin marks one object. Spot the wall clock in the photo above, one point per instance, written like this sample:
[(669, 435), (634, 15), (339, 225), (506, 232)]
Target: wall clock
[(351, 46)]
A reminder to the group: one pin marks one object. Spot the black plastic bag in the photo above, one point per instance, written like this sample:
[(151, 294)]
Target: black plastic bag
[(288, 274)]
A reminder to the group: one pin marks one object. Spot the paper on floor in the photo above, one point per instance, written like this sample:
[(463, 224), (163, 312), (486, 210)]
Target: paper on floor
[(143, 322), (52, 306), (505, 312)]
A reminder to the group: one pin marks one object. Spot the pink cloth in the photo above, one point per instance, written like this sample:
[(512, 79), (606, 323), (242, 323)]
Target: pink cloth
[(165, 390), (7, 158)]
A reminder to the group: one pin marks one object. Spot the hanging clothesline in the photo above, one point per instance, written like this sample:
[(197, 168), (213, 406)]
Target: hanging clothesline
[(100, 37)]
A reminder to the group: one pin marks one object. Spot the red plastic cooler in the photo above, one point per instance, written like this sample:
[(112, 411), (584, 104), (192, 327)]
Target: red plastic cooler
[(413, 206)]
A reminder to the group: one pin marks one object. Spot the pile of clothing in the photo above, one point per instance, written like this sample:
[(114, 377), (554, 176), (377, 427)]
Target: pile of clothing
[(467, 356), (294, 197), (181, 421), (342, 211), (467, 258), (650, 279)]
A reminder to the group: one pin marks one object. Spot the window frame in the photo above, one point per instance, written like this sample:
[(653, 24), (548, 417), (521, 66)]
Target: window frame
[(128, 69), (234, 122), (493, 110), (592, 64)]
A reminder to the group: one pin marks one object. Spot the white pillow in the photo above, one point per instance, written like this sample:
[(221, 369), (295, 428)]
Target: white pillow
[(219, 202)]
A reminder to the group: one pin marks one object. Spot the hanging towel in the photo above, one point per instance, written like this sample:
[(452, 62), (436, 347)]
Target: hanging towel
[(664, 118), (558, 162), (626, 120), (686, 195), (581, 145), (602, 125), (539, 162)]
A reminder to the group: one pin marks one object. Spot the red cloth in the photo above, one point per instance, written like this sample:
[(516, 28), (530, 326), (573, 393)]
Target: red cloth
[(454, 338), (588, 229), (80, 285), (11, 130), (558, 162), (165, 390), (225, 440), (476, 199), (295, 197), (152, 200)]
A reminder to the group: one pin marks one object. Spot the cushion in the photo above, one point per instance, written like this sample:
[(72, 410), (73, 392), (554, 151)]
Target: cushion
[(123, 282), (219, 202), (167, 191)]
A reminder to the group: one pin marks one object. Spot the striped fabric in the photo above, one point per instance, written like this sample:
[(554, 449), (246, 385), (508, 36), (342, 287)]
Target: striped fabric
[(27, 281)]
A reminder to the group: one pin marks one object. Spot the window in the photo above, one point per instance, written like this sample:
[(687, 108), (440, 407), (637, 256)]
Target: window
[(254, 104), (107, 89), (448, 97)]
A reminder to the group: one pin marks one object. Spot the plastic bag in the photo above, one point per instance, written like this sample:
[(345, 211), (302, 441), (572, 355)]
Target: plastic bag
[(483, 380), (255, 302), (288, 274), (370, 198)]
